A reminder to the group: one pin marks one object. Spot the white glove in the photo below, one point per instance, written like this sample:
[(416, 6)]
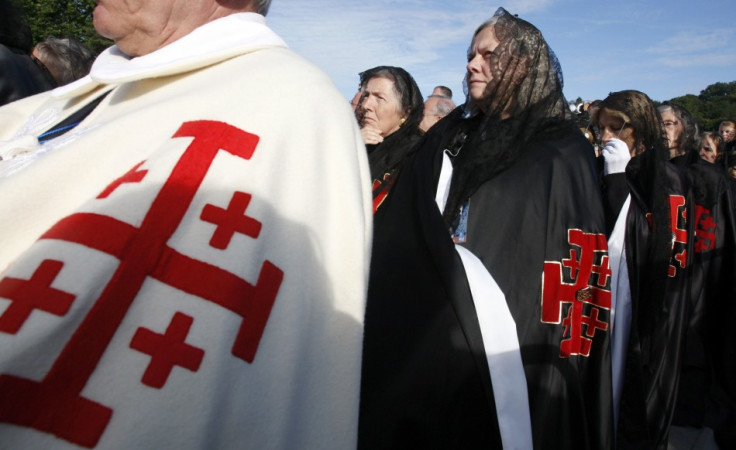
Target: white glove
[(615, 156)]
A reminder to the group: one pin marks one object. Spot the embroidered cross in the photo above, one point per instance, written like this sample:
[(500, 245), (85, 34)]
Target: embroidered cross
[(678, 222), (603, 271), (167, 350), (55, 404), (585, 299), (231, 220), (35, 293), (133, 176), (572, 263), (705, 232)]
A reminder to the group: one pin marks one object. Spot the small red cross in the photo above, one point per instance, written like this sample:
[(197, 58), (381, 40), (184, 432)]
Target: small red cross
[(573, 264), (132, 176), (231, 220), (593, 323), (167, 350), (35, 293), (603, 271)]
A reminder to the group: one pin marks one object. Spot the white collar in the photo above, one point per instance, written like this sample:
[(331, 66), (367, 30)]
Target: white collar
[(213, 42)]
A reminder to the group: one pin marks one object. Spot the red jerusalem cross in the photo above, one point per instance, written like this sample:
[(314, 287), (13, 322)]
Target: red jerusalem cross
[(35, 293), (55, 404), (231, 220), (678, 222), (582, 294), (705, 231), (167, 350), (579, 344)]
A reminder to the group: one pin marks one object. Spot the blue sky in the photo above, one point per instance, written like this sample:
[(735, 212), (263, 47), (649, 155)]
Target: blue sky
[(663, 48)]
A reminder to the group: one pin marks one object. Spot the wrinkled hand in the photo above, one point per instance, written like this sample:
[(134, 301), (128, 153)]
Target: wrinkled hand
[(616, 156), (371, 136)]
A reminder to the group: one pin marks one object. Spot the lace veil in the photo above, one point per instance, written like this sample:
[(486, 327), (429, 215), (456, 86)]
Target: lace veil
[(522, 103)]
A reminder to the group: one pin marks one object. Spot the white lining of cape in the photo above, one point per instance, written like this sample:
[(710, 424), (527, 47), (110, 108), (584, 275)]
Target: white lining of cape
[(500, 339), (620, 305)]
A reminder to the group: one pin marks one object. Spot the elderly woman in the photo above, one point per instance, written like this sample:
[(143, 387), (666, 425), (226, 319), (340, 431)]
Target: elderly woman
[(389, 114), (682, 133), (485, 261)]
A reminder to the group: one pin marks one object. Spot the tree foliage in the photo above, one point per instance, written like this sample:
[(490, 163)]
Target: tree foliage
[(64, 18), (715, 104)]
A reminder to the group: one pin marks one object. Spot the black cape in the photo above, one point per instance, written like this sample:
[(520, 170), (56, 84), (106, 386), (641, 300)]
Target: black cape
[(426, 382), (679, 332)]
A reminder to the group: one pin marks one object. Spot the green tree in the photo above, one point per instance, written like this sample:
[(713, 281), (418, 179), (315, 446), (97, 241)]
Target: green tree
[(64, 18), (716, 103)]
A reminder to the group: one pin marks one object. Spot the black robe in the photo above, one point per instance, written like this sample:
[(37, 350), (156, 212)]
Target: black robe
[(678, 330), (426, 381), (707, 392)]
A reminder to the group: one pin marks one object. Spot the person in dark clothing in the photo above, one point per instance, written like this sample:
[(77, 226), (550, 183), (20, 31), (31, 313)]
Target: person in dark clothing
[(389, 113), (489, 295), (19, 75), (670, 228)]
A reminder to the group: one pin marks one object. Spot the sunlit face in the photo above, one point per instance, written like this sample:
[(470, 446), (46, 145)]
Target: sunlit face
[(673, 127), (708, 149), (381, 106), (139, 27), (479, 63), (611, 125), (727, 132)]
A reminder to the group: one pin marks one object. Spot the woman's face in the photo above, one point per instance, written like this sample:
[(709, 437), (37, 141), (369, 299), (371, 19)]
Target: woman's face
[(611, 125), (479, 63), (727, 132), (673, 127), (381, 106), (708, 149)]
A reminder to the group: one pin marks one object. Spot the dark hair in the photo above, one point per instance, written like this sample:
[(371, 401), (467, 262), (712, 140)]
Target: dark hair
[(444, 91), (405, 88), (641, 114), (394, 148)]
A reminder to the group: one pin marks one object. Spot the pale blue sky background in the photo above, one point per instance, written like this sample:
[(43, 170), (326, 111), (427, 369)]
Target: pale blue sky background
[(665, 48)]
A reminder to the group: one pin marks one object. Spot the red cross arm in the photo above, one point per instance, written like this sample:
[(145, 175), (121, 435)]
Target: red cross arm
[(251, 302)]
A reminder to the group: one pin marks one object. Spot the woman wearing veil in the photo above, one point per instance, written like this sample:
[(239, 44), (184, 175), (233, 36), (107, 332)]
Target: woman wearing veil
[(489, 295)]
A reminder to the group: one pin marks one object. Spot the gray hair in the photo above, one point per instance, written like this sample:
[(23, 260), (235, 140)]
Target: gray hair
[(262, 6), (444, 105), (689, 138), (66, 59)]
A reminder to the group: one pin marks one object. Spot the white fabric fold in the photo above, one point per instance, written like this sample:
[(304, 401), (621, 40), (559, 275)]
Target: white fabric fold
[(500, 339), (620, 304), (216, 41)]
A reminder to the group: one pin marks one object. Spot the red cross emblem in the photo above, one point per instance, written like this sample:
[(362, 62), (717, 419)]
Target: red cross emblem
[(678, 222), (167, 350), (580, 285), (705, 230), (36, 293), (55, 404), (381, 189)]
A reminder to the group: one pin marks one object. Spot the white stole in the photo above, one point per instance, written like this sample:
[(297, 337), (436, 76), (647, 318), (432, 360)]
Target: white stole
[(500, 339), (620, 305)]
